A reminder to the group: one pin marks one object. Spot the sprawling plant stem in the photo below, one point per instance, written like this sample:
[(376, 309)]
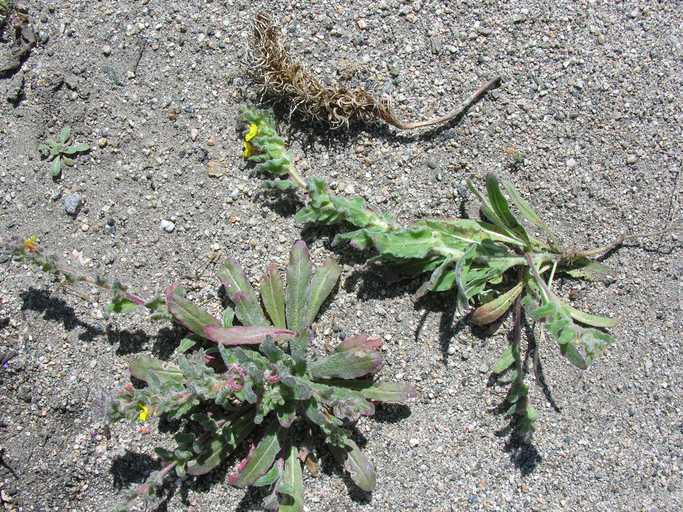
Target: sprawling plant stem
[(491, 264)]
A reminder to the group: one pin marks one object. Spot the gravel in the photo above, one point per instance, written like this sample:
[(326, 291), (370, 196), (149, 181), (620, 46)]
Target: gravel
[(595, 84)]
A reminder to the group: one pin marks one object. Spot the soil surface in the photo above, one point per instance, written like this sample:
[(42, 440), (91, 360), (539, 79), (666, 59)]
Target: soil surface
[(590, 100)]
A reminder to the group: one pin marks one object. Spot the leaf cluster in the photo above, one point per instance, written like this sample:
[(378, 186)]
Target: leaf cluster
[(258, 381), (60, 152)]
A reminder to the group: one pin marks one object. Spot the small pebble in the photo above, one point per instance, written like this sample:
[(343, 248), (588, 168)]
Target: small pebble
[(631, 159), (571, 163), (106, 50), (167, 225), (72, 203), (102, 142), (194, 133)]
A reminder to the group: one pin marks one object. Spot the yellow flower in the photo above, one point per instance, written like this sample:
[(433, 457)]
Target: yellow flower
[(143, 414), (31, 244), (247, 149), (252, 132)]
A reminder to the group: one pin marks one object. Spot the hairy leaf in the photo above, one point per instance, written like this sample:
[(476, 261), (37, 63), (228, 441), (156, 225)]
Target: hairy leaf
[(260, 460), (299, 272), (493, 310), (321, 285), (142, 368), (348, 364), (273, 296), (359, 467), (241, 293), (186, 313), (244, 335), (293, 484), (360, 342)]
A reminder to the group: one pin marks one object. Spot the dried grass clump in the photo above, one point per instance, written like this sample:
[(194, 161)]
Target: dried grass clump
[(337, 105)]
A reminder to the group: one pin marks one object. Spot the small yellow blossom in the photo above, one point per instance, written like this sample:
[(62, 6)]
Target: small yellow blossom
[(31, 244), (143, 414), (247, 149), (252, 132)]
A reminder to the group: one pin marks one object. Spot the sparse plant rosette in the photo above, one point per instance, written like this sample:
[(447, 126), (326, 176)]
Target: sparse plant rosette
[(60, 153), (490, 264), (256, 384)]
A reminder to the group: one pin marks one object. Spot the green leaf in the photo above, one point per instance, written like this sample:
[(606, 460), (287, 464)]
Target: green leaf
[(502, 209), (592, 320), (64, 135), (186, 313), (247, 306), (321, 285), (569, 335), (298, 346), (231, 436), (298, 277), (349, 364), (359, 467), (406, 243), (589, 270), (493, 310), (506, 360), (260, 460), (121, 305), (56, 168), (143, 368), (68, 161), (273, 296), (208, 461), (390, 392), (185, 345), (280, 185), (271, 476), (228, 317), (292, 478), (526, 210), (76, 148)]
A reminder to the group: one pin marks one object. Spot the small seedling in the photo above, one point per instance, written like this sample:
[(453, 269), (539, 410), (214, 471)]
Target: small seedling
[(515, 155), (59, 152), (491, 265), (252, 389)]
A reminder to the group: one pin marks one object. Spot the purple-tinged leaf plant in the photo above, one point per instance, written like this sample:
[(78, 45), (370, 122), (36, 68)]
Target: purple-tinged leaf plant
[(254, 384)]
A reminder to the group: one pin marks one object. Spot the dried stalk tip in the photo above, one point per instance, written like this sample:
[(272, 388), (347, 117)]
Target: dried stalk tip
[(337, 105)]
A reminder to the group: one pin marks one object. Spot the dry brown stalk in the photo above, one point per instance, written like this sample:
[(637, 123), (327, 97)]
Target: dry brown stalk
[(337, 105)]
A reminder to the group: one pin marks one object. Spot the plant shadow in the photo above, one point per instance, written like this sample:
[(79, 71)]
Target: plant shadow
[(55, 309)]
